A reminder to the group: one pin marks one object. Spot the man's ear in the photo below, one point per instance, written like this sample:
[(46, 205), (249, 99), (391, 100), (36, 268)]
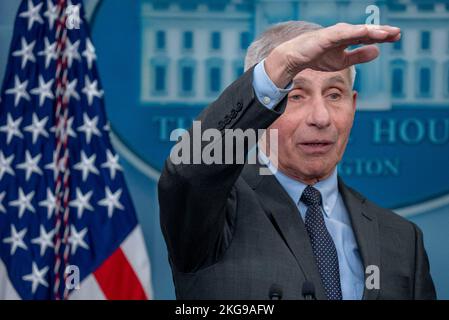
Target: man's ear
[(354, 99)]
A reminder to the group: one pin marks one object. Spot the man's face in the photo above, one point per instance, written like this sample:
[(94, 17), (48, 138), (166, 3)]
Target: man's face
[(314, 129)]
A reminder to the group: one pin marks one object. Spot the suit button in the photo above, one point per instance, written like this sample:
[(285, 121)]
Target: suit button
[(239, 106), (227, 120), (233, 113)]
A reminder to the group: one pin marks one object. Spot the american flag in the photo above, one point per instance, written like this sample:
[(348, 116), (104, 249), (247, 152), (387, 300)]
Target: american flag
[(65, 210)]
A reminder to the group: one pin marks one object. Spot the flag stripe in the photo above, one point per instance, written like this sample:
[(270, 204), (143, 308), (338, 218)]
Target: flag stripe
[(139, 262), (118, 280), (6, 288)]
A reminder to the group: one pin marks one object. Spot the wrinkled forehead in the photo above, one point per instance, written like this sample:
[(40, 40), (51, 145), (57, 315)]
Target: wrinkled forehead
[(318, 79)]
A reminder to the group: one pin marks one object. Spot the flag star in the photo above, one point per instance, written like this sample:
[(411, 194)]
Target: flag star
[(90, 90), (87, 165), (53, 165), (111, 201), (2, 196), (32, 14), (71, 52), (43, 90), (82, 202), (23, 202), (30, 165), (37, 127), (111, 163), (76, 239), (50, 203), (16, 239), (69, 128), (89, 127), (49, 52), (70, 91), (44, 240), (89, 53), (36, 277), (12, 128), (5, 165), (19, 90), (52, 13), (26, 53), (59, 130)]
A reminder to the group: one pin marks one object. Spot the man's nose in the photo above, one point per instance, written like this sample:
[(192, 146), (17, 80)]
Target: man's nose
[(318, 115)]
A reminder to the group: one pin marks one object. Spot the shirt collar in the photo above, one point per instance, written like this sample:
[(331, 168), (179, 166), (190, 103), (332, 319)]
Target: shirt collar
[(327, 187)]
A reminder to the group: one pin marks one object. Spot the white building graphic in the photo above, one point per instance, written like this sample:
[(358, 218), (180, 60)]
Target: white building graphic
[(191, 50), (418, 65)]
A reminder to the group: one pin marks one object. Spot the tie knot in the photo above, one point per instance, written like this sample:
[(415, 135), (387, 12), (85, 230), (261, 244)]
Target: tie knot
[(311, 196)]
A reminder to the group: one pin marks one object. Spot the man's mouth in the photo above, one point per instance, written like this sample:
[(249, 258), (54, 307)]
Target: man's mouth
[(316, 146)]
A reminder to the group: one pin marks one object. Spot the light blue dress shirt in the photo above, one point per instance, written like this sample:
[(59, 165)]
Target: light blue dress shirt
[(266, 91), (336, 216)]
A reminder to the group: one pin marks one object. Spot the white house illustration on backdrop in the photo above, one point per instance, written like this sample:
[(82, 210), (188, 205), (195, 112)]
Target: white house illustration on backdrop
[(191, 50)]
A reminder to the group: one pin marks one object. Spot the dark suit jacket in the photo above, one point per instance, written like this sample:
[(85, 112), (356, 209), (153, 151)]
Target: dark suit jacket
[(232, 233)]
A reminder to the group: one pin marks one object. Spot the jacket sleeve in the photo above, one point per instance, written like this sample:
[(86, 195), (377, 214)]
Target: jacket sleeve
[(423, 284), (197, 201)]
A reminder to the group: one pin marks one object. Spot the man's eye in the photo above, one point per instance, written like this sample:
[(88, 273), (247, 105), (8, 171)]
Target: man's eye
[(295, 97), (334, 96)]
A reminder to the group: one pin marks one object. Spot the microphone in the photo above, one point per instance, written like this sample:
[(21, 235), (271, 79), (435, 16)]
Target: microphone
[(308, 290), (275, 292)]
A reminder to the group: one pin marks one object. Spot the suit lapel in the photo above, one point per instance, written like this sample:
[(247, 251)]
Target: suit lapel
[(366, 230), (285, 217)]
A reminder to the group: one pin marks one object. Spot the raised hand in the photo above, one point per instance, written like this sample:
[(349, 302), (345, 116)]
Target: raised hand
[(326, 50)]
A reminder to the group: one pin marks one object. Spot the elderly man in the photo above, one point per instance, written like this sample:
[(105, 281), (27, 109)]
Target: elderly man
[(300, 232)]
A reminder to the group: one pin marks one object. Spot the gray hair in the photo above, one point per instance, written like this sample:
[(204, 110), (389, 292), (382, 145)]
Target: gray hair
[(277, 34)]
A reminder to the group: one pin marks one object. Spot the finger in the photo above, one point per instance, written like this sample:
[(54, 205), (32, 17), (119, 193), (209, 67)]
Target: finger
[(372, 38), (371, 41), (361, 55), (389, 39), (383, 33), (394, 38), (379, 30), (342, 33), (346, 34), (387, 28)]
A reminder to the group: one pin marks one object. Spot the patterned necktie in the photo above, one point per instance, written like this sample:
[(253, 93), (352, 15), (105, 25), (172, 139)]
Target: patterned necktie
[(322, 244)]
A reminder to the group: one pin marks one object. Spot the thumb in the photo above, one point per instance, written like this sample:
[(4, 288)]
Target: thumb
[(361, 55)]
